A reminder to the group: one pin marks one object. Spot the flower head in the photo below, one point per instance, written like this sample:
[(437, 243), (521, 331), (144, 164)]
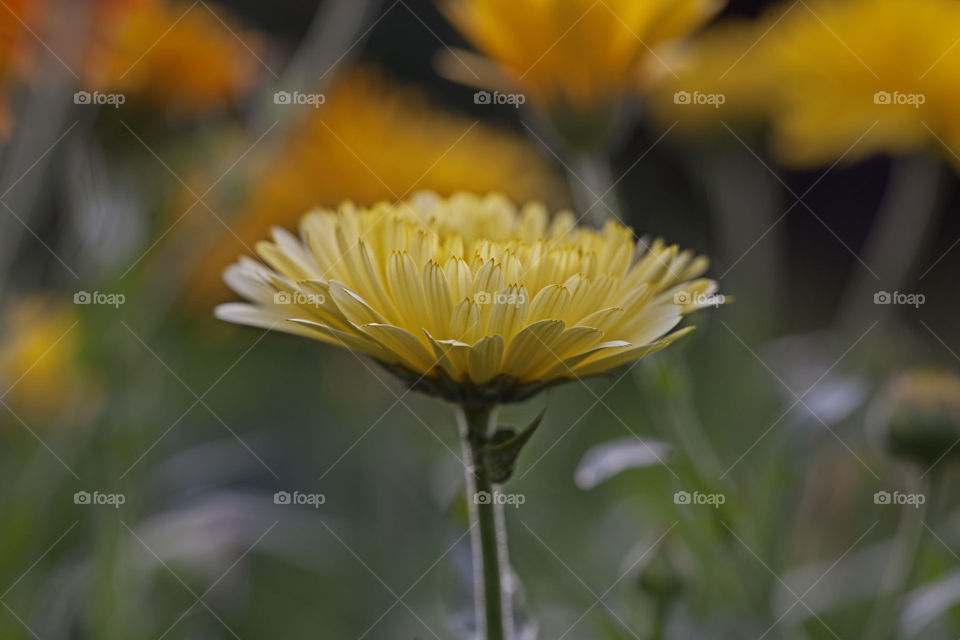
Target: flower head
[(833, 80), (39, 359), (575, 56), (173, 53), (469, 297)]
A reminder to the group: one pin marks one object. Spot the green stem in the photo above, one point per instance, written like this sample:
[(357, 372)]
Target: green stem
[(901, 230), (659, 619), (488, 536), (906, 545), (592, 184)]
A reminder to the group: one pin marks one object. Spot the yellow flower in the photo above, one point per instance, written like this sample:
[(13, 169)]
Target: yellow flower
[(577, 55), (469, 297), (174, 54), (854, 77), (339, 153), (719, 79), (39, 345)]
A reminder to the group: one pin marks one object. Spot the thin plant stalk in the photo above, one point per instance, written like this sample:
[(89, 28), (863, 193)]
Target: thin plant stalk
[(488, 534), (747, 207), (906, 545), (902, 228), (592, 184)]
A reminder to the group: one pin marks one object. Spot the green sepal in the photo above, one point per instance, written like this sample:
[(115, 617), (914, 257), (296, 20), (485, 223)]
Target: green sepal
[(503, 448)]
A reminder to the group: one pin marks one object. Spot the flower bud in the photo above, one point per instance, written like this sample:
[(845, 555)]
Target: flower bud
[(661, 578), (919, 415)]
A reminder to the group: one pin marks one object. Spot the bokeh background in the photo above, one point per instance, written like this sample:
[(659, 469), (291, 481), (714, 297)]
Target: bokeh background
[(143, 443)]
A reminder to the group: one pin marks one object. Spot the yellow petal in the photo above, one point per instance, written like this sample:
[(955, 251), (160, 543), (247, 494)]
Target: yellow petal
[(551, 302), (344, 339), (436, 294), (485, 358), (603, 319), (404, 345), (442, 351), (354, 308), (566, 368), (532, 348), (509, 312), (406, 289), (459, 278), (466, 322), (604, 363)]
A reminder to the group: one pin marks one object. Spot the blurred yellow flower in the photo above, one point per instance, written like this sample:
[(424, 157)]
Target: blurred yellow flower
[(854, 77), (177, 54), (469, 297), (718, 79), (372, 141), (578, 56), (39, 373)]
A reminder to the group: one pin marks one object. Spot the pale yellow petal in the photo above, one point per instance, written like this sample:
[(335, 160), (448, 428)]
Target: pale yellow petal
[(485, 357), (551, 302), (532, 348), (604, 363), (354, 308), (404, 345)]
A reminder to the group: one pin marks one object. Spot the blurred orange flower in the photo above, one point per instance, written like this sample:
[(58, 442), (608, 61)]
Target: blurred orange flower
[(16, 43), (373, 141), (179, 54), (175, 54)]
